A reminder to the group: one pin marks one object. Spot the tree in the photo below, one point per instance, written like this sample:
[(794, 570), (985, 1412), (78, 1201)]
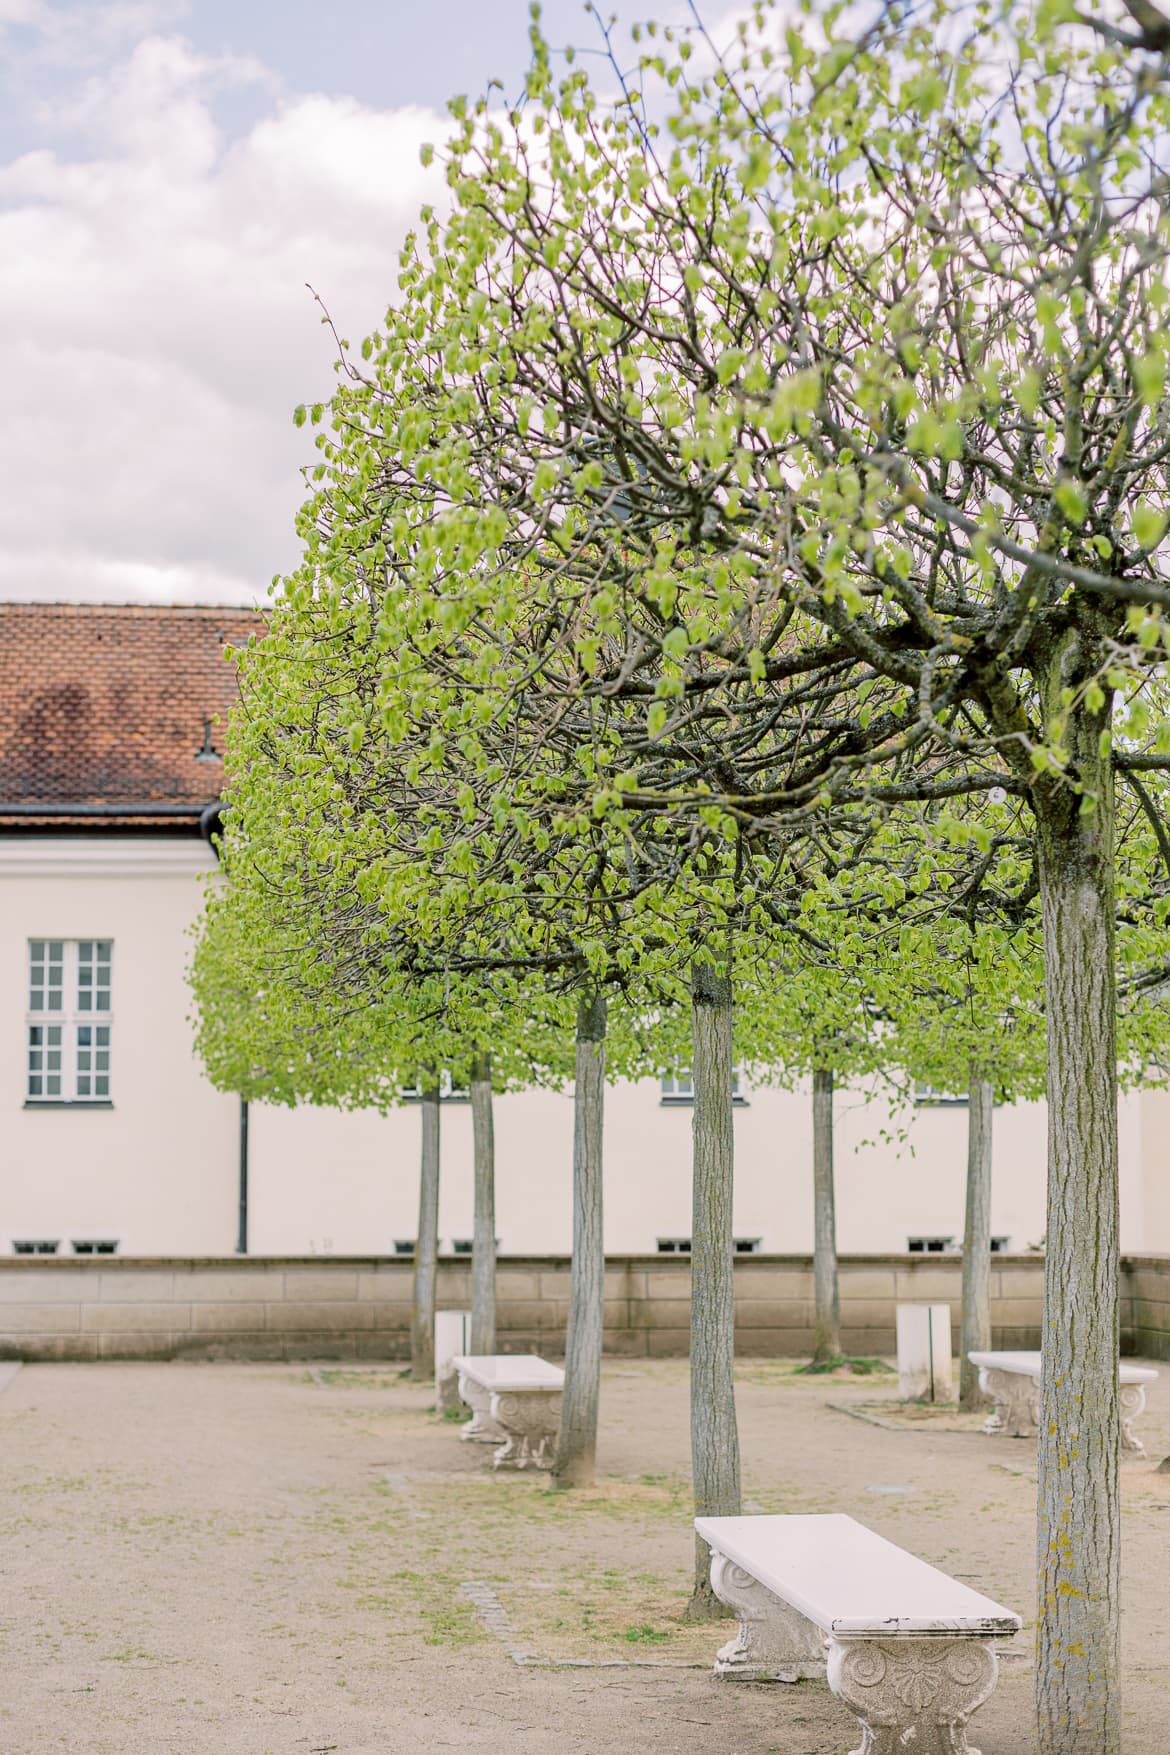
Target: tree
[(798, 452)]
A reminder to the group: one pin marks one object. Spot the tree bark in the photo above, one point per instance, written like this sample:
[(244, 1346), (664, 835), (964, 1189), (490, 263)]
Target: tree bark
[(1078, 1703), (975, 1324), (827, 1311), (483, 1245), (714, 1435), (426, 1248), (574, 1463)]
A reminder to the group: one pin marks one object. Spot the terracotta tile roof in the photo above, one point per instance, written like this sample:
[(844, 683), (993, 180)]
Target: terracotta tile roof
[(114, 705)]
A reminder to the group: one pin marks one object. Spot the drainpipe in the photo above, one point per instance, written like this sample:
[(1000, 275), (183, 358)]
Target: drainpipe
[(242, 1237), (211, 827)]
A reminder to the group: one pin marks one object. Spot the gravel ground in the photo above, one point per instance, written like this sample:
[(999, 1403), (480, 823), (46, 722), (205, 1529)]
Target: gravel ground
[(268, 1560)]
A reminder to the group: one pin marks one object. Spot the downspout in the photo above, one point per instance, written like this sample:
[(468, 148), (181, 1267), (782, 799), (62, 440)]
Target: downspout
[(211, 827)]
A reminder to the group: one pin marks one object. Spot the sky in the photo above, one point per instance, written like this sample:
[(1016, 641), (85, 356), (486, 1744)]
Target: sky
[(172, 174)]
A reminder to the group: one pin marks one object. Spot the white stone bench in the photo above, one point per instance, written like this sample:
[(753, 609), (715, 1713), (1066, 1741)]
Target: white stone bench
[(515, 1402), (1012, 1381), (907, 1648)]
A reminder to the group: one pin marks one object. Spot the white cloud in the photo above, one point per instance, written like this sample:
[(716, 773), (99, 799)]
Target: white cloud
[(155, 328)]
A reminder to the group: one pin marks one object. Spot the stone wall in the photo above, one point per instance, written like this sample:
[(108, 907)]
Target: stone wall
[(359, 1307)]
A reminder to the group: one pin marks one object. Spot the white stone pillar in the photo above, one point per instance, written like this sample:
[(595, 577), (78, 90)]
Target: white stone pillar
[(924, 1352), (452, 1339)]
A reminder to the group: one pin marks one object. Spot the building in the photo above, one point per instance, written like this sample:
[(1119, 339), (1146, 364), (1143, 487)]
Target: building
[(111, 728)]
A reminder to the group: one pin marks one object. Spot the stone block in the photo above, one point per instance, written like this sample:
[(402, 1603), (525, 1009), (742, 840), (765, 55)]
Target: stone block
[(1020, 1279), (553, 1282), (49, 1285), (237, 1319), (773, 1343), (518, 1283), (668, 1343), (136, 1318), (320, 1285), (392, 1282), (391, 1347), (48, 1348), (1151, 1283), (532, 1313), (625, 1282), (1016, 1312), (866, 1313), (622, 1343), (137, 1344), (782, 1285), (929, 1285), (869, 1282), (305, 1317), (130, 1286), (868, 1343), (250, 1285), (44, 1319), (772, 1313), (1013, 1339), (1146, 1314), (663, 1283)]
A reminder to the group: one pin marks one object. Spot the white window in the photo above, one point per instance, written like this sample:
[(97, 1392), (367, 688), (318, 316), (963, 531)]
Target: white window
[(35, 1246), (679, 1087), (95, 1246), (930, 1245), (69, 1020)]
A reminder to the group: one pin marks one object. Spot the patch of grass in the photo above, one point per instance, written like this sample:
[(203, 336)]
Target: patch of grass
[(457, 1415), (644, 1635), (844, 1367)]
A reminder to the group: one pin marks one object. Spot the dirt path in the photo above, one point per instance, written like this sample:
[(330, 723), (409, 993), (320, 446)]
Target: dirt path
[(261, 1560)]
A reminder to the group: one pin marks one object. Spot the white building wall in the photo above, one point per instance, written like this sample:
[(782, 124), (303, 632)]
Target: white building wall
[(159, 1170)]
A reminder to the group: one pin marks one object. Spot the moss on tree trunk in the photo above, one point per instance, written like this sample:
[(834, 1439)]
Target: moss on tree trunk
[(1078, 1528)]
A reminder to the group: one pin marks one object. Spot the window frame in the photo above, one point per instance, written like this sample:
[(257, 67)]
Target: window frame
[(79, 1074), (676, 1090)]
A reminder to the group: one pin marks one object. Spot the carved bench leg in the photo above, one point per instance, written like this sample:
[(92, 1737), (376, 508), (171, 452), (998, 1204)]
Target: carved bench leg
[(912, 1693), (1133, 1401), (1017, 1402), (774, 1642), (481, 1428), (529, 1420)]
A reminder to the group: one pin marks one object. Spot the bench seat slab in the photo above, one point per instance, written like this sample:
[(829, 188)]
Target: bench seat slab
[(775, 1643), (912, 1693)]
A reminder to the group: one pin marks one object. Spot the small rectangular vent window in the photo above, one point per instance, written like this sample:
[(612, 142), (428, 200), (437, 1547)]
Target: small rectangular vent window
[(35, 1246), (1000, 1245), (930, 1245), (404, 1246), (95, 1246)]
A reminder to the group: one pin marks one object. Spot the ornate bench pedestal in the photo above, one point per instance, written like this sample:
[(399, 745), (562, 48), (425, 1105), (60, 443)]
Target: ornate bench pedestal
[(909, 1649), (774, 1642), (515, 1400), (481, 1428), (913, 1693)]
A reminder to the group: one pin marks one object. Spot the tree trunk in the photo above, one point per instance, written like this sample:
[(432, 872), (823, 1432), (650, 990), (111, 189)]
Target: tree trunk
[(426, 1248), (827, 1314), (577, 1439), (975, 1326), (483, 1246), (1077, 1684), (714, 1437)]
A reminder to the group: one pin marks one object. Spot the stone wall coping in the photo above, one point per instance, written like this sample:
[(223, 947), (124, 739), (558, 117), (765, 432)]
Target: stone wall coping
[(667, 1263)]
